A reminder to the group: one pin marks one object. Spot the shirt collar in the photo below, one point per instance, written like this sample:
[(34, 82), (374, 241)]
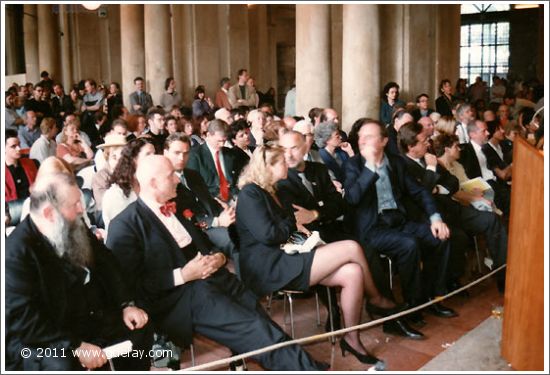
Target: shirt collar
[(152, 204)]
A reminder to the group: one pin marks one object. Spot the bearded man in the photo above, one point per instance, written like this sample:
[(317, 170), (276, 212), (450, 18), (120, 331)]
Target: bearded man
[(65, 298)]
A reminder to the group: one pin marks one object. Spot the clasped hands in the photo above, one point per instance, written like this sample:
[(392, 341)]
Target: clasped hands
[(202, 266)]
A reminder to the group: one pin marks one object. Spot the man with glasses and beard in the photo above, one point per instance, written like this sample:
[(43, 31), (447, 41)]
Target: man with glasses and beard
[(65, 298)]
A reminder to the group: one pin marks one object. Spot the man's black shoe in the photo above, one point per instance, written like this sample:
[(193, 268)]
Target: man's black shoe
[(400, 328), (441, 311), (416, 318)]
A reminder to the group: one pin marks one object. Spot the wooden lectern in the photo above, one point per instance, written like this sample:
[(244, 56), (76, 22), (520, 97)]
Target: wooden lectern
[(523, 325)]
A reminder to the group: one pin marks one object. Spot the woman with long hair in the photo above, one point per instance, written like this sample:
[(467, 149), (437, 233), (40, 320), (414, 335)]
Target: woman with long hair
[(124, 186), (264, 225)]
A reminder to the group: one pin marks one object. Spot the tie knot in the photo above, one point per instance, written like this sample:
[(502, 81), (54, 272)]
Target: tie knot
[(168, 208)]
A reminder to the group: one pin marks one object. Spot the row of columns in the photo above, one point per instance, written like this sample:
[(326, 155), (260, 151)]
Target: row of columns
[(146, 28), (360, 60)]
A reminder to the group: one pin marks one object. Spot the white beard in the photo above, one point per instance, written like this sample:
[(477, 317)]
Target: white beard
[(71, 240)]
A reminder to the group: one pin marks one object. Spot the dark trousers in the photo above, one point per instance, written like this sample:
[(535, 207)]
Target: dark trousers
[(502, 196), (487, 223), (226, 312), (406, 244), (111, 331)]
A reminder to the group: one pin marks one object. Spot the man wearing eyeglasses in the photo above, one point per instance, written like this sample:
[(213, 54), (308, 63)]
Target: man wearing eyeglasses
[(39, 106)]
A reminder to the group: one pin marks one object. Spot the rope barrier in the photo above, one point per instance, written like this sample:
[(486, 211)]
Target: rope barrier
[(319, 337)]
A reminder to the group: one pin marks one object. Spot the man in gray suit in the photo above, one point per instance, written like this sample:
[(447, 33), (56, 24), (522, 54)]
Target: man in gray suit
[(140, 101)]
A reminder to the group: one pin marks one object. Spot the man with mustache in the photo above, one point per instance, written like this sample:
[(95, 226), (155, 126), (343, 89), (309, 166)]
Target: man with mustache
[(65, 297)]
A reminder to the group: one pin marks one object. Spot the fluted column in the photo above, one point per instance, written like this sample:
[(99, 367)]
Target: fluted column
[(48, 41), (313, 67), (132, 47), (158, 48), (360, 63)]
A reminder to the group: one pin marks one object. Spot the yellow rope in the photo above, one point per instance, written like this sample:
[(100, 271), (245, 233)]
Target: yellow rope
[(305, 340)]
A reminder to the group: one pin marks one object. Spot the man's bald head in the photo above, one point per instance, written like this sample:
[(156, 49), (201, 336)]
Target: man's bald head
[(156, 177)]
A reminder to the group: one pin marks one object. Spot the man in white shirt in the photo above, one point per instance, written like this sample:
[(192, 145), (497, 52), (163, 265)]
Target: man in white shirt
[(474, 161), (45, 146), (465, 115), (178, 277)]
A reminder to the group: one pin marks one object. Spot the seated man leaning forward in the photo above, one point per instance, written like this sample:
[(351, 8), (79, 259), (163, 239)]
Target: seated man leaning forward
[(179, 279), (65, 297)]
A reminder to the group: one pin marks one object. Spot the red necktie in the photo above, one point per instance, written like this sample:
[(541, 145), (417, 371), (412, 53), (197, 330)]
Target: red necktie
[(224, 186), (168, 208)]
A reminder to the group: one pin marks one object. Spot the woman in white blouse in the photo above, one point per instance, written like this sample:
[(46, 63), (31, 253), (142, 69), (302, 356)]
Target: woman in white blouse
[(124, 186)]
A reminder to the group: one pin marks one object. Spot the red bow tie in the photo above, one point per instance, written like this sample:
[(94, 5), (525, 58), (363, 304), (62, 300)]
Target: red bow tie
[(168, 208)]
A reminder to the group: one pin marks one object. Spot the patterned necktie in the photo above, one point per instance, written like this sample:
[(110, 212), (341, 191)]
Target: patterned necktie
[(224, 186)]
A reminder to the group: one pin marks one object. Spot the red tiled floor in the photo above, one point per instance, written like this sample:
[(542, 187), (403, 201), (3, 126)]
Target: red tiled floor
[(400, 354)]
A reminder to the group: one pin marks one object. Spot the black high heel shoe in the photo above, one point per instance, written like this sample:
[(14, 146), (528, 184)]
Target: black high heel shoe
[(363, 358)]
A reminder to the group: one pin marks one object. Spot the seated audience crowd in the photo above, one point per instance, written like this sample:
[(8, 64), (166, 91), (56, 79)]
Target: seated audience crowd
[(130, 222)]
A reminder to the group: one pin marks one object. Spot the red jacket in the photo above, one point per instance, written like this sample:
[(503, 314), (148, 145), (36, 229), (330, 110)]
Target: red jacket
[(30, 169)]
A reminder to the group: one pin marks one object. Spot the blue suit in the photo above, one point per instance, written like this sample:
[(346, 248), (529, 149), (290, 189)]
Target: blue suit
[(393, 233)]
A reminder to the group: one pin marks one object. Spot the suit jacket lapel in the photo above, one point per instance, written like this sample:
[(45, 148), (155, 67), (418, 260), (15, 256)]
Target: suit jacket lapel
[(156, 224)]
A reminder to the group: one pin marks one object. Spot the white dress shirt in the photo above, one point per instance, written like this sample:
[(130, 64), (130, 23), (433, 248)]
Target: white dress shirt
[(486, 173), (176, 229)]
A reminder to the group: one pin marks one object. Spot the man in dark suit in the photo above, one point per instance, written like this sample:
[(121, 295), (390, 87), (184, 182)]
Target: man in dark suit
[(400, 117), (422, 110), (157, 131), (376, 186), (474, 161), (216, 163), (65, 297), (464, 220), (178, 278), (309, 192), (215, 218)]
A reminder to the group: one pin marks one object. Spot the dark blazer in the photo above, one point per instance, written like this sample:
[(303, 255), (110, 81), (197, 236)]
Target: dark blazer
[(469, 161), (333, 165), (145, 105), (241, 158), (263, 226), (325, 199), (493, 160), (429, 179), (360, 187), (44, 290), (391, 146), (197, 198), (202, 161), (148, 254), (444, 106)]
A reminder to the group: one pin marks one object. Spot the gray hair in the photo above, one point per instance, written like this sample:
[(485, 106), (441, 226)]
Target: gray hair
[(472, 126), (462, 108), (323, 132), (217, 126), (50, 190)]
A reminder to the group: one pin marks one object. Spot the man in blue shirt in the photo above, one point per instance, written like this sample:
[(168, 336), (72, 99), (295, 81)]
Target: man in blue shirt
[(377, 186)]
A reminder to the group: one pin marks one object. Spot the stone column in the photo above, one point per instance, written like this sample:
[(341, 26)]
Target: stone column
[(66, 61), (313, 67), (158, 48), (48, 41), (30, 38), (132, 47), (360, 63)]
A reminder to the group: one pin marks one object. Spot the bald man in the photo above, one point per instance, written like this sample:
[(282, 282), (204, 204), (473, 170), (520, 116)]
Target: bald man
[(179, 279)]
